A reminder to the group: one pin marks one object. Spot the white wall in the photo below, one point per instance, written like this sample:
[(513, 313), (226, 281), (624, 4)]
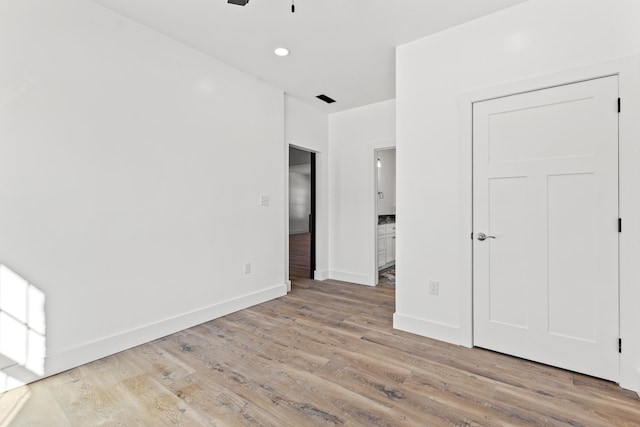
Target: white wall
[(536, 38), (127, 194), (354, 135), (307, 128)]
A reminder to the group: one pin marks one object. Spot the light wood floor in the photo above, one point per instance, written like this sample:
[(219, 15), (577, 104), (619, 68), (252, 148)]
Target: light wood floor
[(323, 355)]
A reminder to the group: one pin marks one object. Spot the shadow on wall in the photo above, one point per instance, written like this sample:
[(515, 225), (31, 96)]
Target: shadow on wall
[(22, 333)]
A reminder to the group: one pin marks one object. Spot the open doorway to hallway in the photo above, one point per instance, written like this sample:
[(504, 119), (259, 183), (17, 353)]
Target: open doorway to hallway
[(301, 213), (386, 215)]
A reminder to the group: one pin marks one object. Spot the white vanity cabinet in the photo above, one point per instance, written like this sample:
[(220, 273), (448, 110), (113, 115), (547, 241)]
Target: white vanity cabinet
[(382, 247), (386, 245)]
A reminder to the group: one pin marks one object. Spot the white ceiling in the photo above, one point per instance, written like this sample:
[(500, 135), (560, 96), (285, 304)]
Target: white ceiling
[(341, 48)]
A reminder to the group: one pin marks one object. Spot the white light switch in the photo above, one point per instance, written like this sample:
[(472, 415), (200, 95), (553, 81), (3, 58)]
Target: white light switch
[(264, 200)]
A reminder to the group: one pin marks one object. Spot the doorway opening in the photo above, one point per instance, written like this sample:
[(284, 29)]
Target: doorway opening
[(385, 166), (302, 206)]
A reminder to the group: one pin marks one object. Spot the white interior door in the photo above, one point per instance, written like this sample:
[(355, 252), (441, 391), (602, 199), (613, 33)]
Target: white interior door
[(546, 191)]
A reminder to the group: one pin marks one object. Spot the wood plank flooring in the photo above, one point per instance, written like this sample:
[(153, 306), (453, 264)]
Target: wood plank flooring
[(325, 354)]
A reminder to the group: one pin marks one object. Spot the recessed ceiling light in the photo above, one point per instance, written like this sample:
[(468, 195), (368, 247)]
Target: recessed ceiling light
[(281, 51)]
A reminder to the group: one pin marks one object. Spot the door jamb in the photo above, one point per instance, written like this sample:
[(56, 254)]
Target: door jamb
[(312, 226)]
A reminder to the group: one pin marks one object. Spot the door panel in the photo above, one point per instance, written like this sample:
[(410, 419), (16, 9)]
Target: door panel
[(507, 202), (546, 187), (526, 124), (572, 258)]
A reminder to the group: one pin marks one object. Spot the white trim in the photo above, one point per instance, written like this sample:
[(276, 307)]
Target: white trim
[(629, 125), (286, 208), (628, 70), (16, 376), (105, 346), (375, 215), (320, 275), (430, 328), (465, 219), (345, 276)]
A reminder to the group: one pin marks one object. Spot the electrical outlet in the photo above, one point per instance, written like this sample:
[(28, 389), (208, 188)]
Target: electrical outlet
[(434, 287), (247, 267)]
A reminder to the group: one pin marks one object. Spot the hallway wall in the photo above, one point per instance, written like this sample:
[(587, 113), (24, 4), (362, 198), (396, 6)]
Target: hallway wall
[(354, 135)]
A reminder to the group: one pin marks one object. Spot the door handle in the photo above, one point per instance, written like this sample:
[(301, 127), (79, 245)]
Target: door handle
[(482, 237)]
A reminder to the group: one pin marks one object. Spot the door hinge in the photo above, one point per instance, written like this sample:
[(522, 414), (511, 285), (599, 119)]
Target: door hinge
[(472, 235), (619, 345), (619, 105), (619, 225)]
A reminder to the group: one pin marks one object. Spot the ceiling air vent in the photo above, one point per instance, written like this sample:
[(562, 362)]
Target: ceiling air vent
[(326, 99)]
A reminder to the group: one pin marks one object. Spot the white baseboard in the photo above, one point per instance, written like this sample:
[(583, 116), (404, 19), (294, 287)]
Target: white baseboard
[(106, 346), (320, 275), (343, 276), (430, 329), (15, 376)]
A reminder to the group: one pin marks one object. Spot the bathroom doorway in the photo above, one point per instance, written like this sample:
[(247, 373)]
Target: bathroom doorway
[(385, 166)]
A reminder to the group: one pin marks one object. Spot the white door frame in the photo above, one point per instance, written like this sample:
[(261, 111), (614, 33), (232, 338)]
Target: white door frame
[(628, 70)]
